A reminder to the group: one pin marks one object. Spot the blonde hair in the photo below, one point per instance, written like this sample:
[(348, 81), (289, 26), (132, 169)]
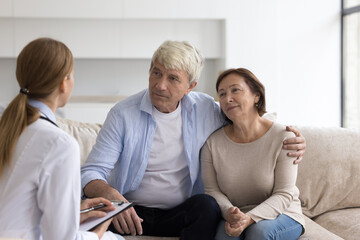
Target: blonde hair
[(179, 56), (41, 67)]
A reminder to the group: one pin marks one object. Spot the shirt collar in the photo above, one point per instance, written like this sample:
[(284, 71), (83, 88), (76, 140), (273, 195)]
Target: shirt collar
[(146, 104), (43, 108), (187, 102)]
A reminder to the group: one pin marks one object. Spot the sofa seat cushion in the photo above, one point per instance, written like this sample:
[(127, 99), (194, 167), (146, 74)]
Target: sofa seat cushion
[(344, 223), (315, 231)]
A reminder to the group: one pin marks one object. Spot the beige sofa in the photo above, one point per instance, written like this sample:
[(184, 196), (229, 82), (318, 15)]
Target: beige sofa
[(328, 179)]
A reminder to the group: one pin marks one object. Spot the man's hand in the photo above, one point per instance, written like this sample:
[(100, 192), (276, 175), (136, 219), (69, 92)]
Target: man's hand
[(297, 143), (128, 222), (88, 203), (236, 222)]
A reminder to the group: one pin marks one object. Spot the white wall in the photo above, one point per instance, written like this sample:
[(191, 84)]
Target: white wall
[(294, 49), (309, 63), (292, 46)]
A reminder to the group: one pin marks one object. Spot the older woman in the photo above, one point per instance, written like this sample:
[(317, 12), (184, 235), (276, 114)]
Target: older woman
[(245, 168)]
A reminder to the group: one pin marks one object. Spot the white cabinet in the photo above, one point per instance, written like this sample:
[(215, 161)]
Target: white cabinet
[(68, 9), (120, 9), (6, 8), (111, 28), (7, 41), (111, 38), (179, 9), (85, 38)]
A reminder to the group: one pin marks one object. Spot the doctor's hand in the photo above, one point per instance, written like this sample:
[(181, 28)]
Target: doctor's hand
[(101, 229), (91, 202)]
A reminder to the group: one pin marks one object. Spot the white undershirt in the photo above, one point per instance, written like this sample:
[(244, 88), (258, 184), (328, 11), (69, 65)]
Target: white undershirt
[(167, 180)]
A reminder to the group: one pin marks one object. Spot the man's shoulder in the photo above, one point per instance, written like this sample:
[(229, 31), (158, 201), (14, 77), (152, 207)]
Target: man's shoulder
[(207, 108)]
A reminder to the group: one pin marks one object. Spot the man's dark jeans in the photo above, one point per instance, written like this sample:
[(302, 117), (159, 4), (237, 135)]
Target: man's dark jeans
[(196, 218)]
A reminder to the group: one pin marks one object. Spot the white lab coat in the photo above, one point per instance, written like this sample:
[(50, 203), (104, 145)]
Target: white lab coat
[(40, 191)]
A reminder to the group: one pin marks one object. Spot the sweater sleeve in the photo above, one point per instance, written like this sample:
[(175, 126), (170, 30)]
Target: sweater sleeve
[(284, 190), (209, 179)]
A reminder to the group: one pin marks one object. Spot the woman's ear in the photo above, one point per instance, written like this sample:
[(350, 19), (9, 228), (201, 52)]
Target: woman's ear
[(257, 98), (63, 85)]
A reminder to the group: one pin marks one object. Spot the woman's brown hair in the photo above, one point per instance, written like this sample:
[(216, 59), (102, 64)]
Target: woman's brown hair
[(41, 67), (252, 81)]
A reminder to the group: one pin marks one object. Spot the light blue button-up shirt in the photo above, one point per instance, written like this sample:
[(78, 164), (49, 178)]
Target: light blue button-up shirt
[(121, 153)]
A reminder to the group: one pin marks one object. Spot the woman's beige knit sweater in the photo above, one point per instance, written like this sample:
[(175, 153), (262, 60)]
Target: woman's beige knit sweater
[(257, 177)]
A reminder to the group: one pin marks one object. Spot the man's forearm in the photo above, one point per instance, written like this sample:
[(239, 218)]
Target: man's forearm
[(99, 188)]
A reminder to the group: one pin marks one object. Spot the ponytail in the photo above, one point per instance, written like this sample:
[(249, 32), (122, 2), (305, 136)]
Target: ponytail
[(16, 117)]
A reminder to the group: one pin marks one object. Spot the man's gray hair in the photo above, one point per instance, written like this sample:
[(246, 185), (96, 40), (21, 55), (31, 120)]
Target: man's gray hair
[(177, 55)]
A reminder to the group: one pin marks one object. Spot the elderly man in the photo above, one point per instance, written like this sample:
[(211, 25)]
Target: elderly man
[(148, 149)]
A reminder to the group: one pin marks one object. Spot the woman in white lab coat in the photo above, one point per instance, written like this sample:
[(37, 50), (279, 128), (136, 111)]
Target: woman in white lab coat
[(40, 163)]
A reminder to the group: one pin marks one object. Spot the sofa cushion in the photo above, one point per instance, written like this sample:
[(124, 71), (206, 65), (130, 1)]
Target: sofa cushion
[(328, 177), (344, 223), (84, 133)]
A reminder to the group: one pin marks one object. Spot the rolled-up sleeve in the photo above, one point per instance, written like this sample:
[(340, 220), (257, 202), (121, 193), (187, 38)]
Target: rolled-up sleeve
[(105, 152)]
